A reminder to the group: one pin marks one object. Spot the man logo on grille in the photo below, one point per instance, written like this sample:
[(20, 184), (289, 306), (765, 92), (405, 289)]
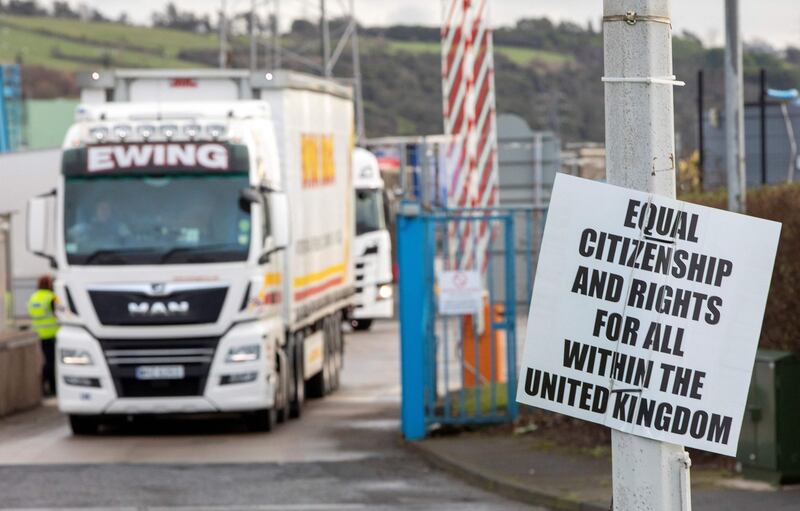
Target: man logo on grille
[(158, 308)]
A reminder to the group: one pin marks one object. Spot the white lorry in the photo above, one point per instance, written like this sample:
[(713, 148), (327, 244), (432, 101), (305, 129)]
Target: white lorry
[(202, 235), (373, 244)]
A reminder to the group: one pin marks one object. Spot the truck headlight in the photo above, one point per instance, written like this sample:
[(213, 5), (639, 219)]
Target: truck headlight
[(247, 353), (385, 291), (72, 357)]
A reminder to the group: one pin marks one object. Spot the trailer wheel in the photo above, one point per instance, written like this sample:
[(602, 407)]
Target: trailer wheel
[(297, 394), (320, 384), (282, 394), (339, 340), (260, 420), (333, 354), (84, 424)]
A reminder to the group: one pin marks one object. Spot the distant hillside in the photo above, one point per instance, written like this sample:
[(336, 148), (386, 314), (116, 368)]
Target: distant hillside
[(548, 73), (69, 45)]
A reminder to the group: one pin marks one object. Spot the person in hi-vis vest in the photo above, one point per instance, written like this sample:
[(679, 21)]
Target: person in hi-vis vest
[(41, 308)]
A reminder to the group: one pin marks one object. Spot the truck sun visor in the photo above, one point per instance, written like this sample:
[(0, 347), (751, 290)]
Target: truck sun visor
[(155, 158)]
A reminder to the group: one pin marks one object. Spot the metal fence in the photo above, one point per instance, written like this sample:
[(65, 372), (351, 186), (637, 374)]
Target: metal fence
[(461, 369)]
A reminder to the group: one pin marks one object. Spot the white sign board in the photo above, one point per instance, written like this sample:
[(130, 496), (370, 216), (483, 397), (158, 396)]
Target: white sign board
[(460, 293), (646, 313)]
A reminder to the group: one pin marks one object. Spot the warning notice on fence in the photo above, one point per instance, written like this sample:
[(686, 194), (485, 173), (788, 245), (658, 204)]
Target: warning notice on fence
[(646, 313), (460, 292)]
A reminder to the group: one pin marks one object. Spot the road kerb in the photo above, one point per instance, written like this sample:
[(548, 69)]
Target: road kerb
[(509, 489)]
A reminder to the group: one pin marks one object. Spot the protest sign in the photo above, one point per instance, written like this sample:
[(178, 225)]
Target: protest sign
[(646, 313)]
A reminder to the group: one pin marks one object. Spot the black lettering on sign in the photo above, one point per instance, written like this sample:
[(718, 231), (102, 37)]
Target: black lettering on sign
[(678, 302), (684, 382), (662, 338), (556, 388), (616, 327), (661, 221), (665, 416), (598, 284), (600, 361)]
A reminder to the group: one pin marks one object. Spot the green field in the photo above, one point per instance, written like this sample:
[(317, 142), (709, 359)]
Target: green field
[(163, 41), (56, 53), (69, 44), (519, 56)]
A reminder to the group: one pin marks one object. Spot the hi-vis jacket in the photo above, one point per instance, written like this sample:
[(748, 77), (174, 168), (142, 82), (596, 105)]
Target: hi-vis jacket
[(40, 308)]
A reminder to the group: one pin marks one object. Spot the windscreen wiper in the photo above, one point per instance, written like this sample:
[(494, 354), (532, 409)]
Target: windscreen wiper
[(196, 251), (115, 254)]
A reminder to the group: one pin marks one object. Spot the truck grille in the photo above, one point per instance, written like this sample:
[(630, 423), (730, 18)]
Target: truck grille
[(131, 308), (125, 355)]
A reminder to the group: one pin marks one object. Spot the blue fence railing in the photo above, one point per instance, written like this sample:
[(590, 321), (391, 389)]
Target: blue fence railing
[(461, 369)]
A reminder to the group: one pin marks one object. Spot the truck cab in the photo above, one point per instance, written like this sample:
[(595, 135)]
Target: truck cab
[(373, 244)]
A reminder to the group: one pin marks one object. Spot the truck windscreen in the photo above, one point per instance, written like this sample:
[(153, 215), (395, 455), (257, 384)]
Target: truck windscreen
[(369, 211), (148, 219)]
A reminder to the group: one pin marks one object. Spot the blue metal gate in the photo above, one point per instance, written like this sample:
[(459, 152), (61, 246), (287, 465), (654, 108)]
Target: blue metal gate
[(456, 369)]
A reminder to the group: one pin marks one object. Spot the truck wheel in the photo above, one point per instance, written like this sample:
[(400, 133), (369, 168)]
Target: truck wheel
[(361, 325), (333, 355), (297, 395), (339, 341), (319, 384), (84, 424), (282, 394), (260, 420)]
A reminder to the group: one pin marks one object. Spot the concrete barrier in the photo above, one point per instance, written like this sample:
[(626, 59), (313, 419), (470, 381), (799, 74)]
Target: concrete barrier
[(20, 372)]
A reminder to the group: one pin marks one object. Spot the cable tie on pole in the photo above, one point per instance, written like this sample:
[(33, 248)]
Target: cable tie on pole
[(649, 80), (631, 18)]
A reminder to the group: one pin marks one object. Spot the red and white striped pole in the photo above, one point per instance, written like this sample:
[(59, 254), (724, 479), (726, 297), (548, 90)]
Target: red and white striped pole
[(470, 121)]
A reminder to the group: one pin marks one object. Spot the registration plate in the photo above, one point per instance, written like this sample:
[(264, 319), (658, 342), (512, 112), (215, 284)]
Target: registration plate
[(160, 373)]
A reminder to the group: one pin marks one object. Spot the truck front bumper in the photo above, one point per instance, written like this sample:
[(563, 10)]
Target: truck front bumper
[(97, 388), (369, 303), (382, 309)]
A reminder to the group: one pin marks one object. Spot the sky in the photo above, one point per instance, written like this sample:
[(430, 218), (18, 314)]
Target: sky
[(774, 21)]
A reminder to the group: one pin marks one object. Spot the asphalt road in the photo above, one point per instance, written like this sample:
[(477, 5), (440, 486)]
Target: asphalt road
[(344, 453)]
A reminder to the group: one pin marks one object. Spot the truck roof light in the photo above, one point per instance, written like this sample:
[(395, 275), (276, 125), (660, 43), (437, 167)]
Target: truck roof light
[(191, 130), (169, 130), (268, 76), (146, 131), (95, 76), (121, 131), (216, 130), (98, 133)]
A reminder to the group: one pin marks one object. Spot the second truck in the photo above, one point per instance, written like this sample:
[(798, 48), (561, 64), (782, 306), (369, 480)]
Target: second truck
[(202, 235)]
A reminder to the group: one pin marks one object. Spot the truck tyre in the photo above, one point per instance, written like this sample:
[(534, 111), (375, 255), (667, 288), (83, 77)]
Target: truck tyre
[(339, 341), (319, 384), (361, 325), (297, 394), (333, 355), (84, 424), (282, 393), (260, 421)]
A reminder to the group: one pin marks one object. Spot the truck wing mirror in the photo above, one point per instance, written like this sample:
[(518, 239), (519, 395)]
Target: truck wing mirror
[(248, 196), (39, 227), (279, 214)]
